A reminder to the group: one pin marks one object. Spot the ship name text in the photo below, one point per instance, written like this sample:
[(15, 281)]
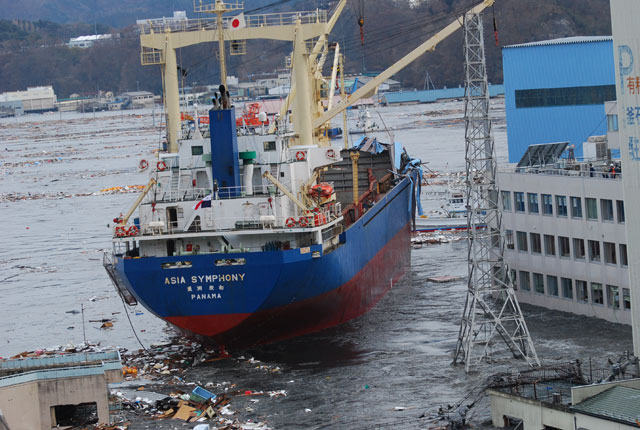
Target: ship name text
[(229, 277)]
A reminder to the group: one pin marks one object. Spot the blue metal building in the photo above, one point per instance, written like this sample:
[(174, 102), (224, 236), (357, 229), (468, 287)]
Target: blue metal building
[(555, 91)]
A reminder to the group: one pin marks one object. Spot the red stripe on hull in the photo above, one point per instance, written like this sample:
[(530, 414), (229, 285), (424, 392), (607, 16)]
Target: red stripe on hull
[(350, 300)]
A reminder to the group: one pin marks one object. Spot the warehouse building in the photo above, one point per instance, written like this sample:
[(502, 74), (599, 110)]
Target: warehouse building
[(34, 99), (555, 91)]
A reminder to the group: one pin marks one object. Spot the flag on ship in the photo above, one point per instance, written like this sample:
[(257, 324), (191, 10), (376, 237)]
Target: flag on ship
[(238, 22), (204, 203)]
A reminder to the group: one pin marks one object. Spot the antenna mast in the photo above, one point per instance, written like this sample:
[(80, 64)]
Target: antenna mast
[(489, 277)]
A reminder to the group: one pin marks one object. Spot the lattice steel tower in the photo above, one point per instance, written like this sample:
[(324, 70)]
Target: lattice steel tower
[(491, 309)]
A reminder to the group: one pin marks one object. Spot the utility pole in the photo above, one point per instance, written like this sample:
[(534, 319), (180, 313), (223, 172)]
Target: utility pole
[(491, 309)]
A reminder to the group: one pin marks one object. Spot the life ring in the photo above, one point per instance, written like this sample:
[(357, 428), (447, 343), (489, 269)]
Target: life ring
[(301, 155), (121, 231), (303, 221), (143, 164), (331, 153), (161, 166), (291, 222), (133, 231)]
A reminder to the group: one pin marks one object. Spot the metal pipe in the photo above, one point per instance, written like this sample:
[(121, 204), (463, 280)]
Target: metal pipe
[(355, 155)]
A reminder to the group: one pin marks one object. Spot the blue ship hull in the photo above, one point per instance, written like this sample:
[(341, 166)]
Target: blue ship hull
[(279, 294)]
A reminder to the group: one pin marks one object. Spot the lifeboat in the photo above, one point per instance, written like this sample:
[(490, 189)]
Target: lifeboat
[(321, 190)]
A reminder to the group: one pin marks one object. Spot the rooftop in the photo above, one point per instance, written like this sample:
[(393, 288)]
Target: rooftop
[(563, 41), (618, 403), (22, 370)]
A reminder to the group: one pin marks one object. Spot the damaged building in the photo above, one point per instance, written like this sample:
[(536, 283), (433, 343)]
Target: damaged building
[(58, 390)]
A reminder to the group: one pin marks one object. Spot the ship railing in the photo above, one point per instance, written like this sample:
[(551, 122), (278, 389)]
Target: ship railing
[(260, 223), (163, 25), (224, 193)]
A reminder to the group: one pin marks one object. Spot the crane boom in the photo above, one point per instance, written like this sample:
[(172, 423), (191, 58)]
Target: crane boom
[(428, 45)]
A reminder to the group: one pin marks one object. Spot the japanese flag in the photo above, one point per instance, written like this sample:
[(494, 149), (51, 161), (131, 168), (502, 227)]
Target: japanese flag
[(238, 22)]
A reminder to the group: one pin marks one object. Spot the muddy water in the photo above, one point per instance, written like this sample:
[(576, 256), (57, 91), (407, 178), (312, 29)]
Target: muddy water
[(398, 356)]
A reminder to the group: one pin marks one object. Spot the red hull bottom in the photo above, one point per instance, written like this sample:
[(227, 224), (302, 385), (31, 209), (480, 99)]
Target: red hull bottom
[(350, 300)]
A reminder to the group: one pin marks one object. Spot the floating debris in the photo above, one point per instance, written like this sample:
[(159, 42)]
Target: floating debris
[(437, 237), (443, 279), (122, 190)]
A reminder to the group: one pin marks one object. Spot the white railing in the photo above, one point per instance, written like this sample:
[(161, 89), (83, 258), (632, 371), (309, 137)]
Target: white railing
[(261, 224), (152, 26), (226, 193), (598, 173)]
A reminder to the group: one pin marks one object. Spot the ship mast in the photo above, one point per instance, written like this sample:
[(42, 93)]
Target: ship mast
[(219, 9), (160, 38)]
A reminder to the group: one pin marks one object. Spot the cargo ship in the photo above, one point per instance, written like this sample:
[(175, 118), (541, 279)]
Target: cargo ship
[(249, 238)]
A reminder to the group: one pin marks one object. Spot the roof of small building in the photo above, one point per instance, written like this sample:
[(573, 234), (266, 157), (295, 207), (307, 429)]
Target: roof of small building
[(563, 41), (137, 93), (618, 403)]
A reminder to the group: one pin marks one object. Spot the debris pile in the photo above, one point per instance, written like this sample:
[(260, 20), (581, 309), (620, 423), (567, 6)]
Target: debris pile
[(15, 197), (162, 368), (8, 164), (122, 190), (436, 238)]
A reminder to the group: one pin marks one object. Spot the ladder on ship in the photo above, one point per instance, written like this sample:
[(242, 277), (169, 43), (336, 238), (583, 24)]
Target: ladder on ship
[(117, 281)]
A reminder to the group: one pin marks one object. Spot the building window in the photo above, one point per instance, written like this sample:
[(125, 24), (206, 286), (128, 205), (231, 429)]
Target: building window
[(613, 297), (623, 255), (620, 210), (582, 292), (495, 238), (567, 288), (514, 280), (506, 200), (552, 285), (561, 205), (538, 283), (197, 150), (612, 122), (626, 299), (549, 245), (592, 208), (567, 96), (533, 203), (508, 238), (609, 252), (547, 204), (525, 280), (563, 247), (594, 250), (597, 297), (576, 207), (518, 197), (536, 244), (521, 238), (578, 249), (606, 208)]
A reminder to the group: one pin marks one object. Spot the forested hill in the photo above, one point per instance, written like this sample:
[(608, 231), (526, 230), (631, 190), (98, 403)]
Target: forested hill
[(32, 50)]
